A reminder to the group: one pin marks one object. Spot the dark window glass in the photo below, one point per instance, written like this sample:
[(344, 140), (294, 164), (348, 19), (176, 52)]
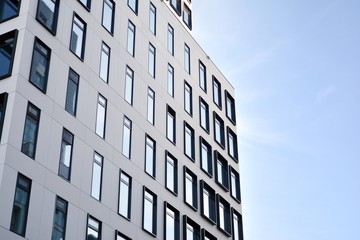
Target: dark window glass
[(224, 217), (108, 15), (3, 103), (187, 16), (188, 98), (237, 225), (78, 35), (206, 157), (150, 212), (219, 131), (170, 40), (208, 203), (170, 80), (133, 4), (171, 170), (66, 154), (152, 19), (230, 107), (189, 141), (7, 52), (190, 188), (124, 195), (59, 222), (151, 106), (72, 92), (204, 115), (151, 60), (172, 223), (191, 229), (93, 229), (176, 5), (31, 127), (101, 116), (217, 92), (97, 176), (221, 171), (171, 124), (150, 156), (47, 14), (126, 144), (232, 144), (202, 76), (235, 184), (129, 83), (131, 38), (9, 9), (187, 58), (104, 62), (40, 65), (21, 205)]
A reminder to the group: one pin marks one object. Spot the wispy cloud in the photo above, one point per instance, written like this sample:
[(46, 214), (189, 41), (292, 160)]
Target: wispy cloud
[(324, 93)]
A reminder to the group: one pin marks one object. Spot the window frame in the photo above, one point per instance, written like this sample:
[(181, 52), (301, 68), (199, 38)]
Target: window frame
[(194, 187), (177, 7), (192, 139), (230, 113), (170, 118), (151, 97), (235, 193), (136, 2), (31, 117), (97, 115), (121, 235), (68, 138), (75, 78), (5, 37), (3, 105), (86, 5), (212, 218), (152, 13), (187, 12), (127, 124), (175, 173), (105, 58), (53, 28), (131, 38), (187, 59), (207, 115), (64, 211), (129, 79), (202, 75), (208, 171), (224, 174), (205, 235), (153, 232), (240, 225), (101, 164), (170, 39), (153, 161), (152, 59), (176, 218), (129, 195), (218, 121), (170, 79), (188, 98), (112, 9), (196, 227), (217, 99), (82, 50), (13, 16), (227, 230), (93, 227), (232, 141)]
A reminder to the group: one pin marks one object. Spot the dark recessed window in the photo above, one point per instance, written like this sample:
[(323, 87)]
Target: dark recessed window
[(176, 5), (72, 92), (124, 195), (171, 171), (230, 107), (97, 170), (170, 40), (191, 229), (150, 212), (216, 92), (150, 156), (188, 98), (235, 184), (190, 188), (86, 4), (170, 80), (133, 5), (237, 225), (152, 19), (104, 62), (66, 154), (219, 130), (221, 171), (47, 14), (108, 15), (172, 223), (78, 36), (60, 217), (206, 235), (202, 76), (101, 116), (171, 124), (3, 103), (40, 65), (9, 9), (187, 16), (151, 106), (131, 38), (224, 216), (232, 144), (189, 141), (7, 53), (204, 115), (129, 83), (208, 203), (206, 157), (126, 144), (21, 205), (120, 236), (93, 229), (31, 128), (151, 60), (187, 58)]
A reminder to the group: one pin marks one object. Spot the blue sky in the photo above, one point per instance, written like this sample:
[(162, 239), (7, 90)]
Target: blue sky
[(296, 69)]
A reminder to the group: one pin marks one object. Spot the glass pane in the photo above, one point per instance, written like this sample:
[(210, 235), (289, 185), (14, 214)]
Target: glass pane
[(45, 13), (149, 160), (221, 216), (170, 81), (96, 181), (150, 110), (204, 157), (128, 86), (131, 39), (189, 189), (152, 20), (206, 196), (39, 67), (104, 63), (108, 15), (170, 225), (77, 37), (100, 120), (170, 176), (10, 9), (124, 198), (148, 215), (29, 138), (133, 5), (126, 141)]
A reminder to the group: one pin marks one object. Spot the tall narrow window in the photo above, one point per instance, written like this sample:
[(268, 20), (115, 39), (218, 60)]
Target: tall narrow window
[(170, 40), (3, 103), (176, 5), (86, 4), (129, 82), (104, 62), (190, 188), (205, 156), (230, 107), (237, 225), (150, 156), (221, 171), (9, 9), (187, 16), (224, 217), (108, 15), (7, 52), (152, 19), (204, 115), (40, 65), (202, 76), (171, 124), (93, 229), (208, 203), (151, 60), (187, 58), (235, 184), (126, 144), (97, 176), (189, 141), (47, 14), (133, 4), (219, 131), (151, 106), (66, 154), (150, 212), (188, 98), (191, 229), (170, 80), (171, 173), (72, 92), (78, 35), (101, 116), (172, 223), (217, 92), (31, 128), (131, 38), (21, 205), (59, 222), (232, 144), (125, 195)]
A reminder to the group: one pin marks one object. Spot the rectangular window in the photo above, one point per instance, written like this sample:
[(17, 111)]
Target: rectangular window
[(237, 225), (129, 83), (206, 235), (21, 205), (221, 171), (219, 131), (188, 98), (189, 141), (149, 212), (66, 154), (170, 40), (151, 60), (3, 103), (152, 20), (216, 92), (204, 115), (170, 80), (202, 76), (86, 4), (78, 35), (151, 106), (235, 184), (108, 15), (187, 16), (230, 107), (187, 58), (224, 217), (7, 52), (93, 229), (59, 222), (190, 188), (191, 229), (131, 39), (101, 116), (9, 9), (172, 223), (104, 62), (72, 92), (47, 14), (206, 157), (171, 124), (150, 156), (207, 198), (232, 144), (133, 4), (40, 65), (125, 195), (97, 176), (120, 236), (31, 128), (126, 144), (171, 171), (176, 5)]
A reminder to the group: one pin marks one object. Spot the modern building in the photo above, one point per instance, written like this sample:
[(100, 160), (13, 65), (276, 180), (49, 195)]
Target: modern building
[(114, 124)]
